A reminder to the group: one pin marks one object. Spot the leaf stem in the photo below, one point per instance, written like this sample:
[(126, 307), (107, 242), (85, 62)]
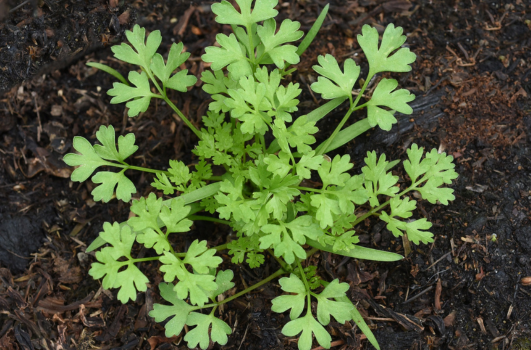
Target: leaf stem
[(183, 118), (247, 290), (145, 259), (345, 118), (306, 285), (208, 218)]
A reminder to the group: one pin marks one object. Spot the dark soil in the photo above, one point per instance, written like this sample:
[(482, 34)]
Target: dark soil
[(472, 81)]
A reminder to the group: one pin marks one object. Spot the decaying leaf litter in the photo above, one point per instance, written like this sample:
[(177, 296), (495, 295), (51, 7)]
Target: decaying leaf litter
[(466, 290)]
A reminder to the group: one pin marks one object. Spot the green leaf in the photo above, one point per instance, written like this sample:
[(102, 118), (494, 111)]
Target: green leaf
[(231, 54), (345, 242), (432, 192), (326, 307), (377, 180), (110, 180), (201, 258), (189, 283), (130, 280), (346, 135), (144, 49), (174, 216), (141, 94), (179, 81), (278, 165), (294, 302), (151, 239), (380, 59), (272, 41), (396, 101), (224, 283), (358, 319), (333, 83), (107, 149), (227, 14), (414, 167), (147, 211), (286, 245), (247, 104), (178, 311), (308, 326), (358, 252), (108, 70), (313, 31), (306, 163), (199, 335), (334, 172), (415, 233), (326, 207), (88, 160)]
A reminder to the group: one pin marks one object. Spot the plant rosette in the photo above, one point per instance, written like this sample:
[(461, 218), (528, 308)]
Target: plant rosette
[(261, 195)]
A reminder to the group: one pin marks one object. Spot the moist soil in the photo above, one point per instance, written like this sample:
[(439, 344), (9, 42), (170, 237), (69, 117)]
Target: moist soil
[(466, 290)]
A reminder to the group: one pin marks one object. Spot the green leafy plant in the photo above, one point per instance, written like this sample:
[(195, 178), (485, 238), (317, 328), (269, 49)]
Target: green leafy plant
[(261, 195)]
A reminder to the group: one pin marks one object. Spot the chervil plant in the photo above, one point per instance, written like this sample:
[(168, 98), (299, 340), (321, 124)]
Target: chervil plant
[(261, 195)]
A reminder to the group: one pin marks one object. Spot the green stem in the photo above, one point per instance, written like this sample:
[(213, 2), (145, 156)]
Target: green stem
[(183, 118), (345, 118), (145, 259), (247, 290), (306, 285), (208, 218), (383, 205), (147, 170), (282, 264)]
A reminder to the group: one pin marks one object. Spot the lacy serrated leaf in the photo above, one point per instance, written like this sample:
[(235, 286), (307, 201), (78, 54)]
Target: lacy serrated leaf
[(345, 242), (201, 258), (403, 208), (272, 41), (294, 302), (178, 311), (396, 101), (333, 83), (88, 160), (326, 307), (230, 54), (378, 181), (415, 233), (200, 335), (110, 180), (161, 182), (148, 211), (224, 283), (414, 167), (232, 201), (432, 192), (250, 94), (254, 259), (308, 326), (334, 172), (278, 165), (380, 59), (227, 14), (306, 163), (441, 166), (189, 283), (174, 216), (107, 149), (179, 81), (151, 239), (286, 245), (144, 49), (130, 280), (140, 94), (326, 207)]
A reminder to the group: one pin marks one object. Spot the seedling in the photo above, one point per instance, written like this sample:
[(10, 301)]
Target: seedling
[(261, 195)]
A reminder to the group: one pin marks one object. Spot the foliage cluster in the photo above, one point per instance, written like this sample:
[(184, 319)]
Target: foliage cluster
[(261, 194)]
